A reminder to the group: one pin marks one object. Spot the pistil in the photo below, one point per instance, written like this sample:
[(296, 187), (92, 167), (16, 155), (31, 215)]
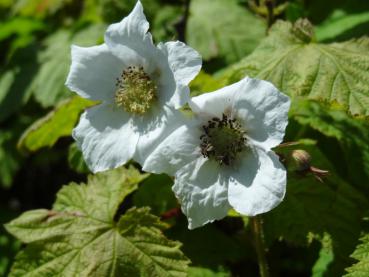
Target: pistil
[(222, 140), (135, 91)]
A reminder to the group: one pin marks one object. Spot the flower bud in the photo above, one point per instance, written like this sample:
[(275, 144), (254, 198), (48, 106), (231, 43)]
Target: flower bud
[(304, 30), (302, 159)]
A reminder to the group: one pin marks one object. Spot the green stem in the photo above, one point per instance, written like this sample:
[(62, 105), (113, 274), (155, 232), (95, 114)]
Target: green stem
[(257, 230)]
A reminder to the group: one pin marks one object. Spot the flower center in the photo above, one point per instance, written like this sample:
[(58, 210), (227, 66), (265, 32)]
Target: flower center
[(223, 139), (135, 90)]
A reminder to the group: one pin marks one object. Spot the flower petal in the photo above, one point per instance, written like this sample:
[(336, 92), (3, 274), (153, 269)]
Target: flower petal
[(214, 103), (174, 151), (93, 72), (265, 111), (106, 137), (261, 108), (131, 35), (185, 64), (259, 185), (202, 191)]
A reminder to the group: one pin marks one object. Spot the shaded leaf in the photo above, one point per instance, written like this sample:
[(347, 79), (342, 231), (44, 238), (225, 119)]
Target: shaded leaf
[(223, 29), (48, 85), (205, 272), (38, 8), (352, 136), (75, 159), (312, 210), (156, 192)]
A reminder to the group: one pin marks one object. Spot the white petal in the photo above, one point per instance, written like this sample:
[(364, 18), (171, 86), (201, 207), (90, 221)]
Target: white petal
[(257, 104), (175, 151), (93, 72), (185, 63), (154, 130), (214, 103), (259, 184), (131, 36), (202, 191), (264, 110), (106, 137)]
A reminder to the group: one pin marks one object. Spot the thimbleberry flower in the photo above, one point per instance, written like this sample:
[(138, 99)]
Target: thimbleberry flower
[(139, 86), (222, 157)]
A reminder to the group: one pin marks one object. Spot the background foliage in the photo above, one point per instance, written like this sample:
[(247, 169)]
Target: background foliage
[(321, 229)]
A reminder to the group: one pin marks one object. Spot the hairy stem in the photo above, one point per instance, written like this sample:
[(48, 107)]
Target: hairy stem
[(259, 242)]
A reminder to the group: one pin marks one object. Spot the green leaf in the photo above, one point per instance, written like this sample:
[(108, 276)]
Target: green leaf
[(361, 268), (38, 8), (156, 192), (339, 23), (81, 237), (204, 82), (313, 210), (19, 26), (9, 245), (48, 85), (75, 159), (56, 124), (205, 272), (326, 256), (9, 159), (354, 149), (208, 246), (336, 73), (14, 82), (223, 29)]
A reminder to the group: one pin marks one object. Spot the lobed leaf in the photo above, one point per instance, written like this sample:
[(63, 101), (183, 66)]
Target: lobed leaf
[(361, 254), (337, 73), (80, 237)]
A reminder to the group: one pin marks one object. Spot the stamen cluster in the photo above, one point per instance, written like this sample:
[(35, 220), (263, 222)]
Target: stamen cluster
[(135, 90), (222, 140)]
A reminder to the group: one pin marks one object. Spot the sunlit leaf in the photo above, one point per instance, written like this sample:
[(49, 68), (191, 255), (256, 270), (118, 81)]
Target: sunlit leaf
[(326, 256), (81, 235), (361, 267), (19, 26), (58, 123), (337, 73), (339, 23)]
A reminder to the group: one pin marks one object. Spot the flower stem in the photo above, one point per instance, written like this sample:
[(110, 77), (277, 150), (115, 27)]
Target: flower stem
[(258, 233)]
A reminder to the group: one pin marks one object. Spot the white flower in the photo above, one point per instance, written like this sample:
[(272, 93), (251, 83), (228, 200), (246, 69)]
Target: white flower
[(140, 86), (222, 158)]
